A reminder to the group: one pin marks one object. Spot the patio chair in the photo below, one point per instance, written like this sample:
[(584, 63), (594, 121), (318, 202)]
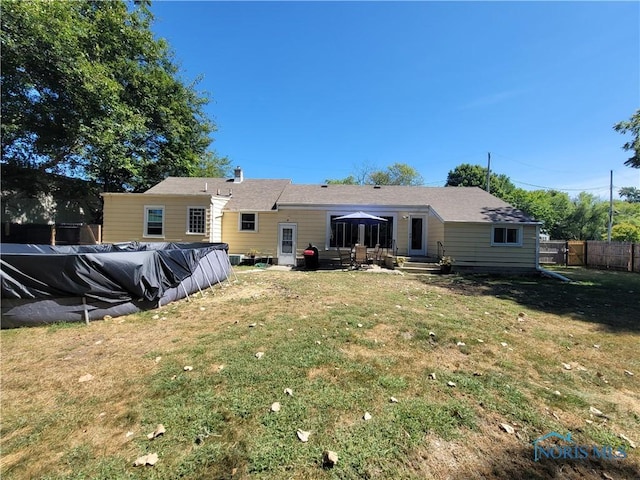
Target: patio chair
[(361, 256), (376, 255), (345, 258)]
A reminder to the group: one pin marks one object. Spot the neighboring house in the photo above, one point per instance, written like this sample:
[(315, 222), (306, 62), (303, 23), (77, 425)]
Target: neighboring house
[(35, 197), (480, 231)]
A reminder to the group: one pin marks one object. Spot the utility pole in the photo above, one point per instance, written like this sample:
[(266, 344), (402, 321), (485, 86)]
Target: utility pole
[(610, 207), (488, 171)]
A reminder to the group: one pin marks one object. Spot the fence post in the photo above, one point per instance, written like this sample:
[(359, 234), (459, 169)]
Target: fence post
[(586, 253), (633, 255)]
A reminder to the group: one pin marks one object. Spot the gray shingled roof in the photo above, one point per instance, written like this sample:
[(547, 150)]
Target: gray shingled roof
[(250, 194), (452, 204)]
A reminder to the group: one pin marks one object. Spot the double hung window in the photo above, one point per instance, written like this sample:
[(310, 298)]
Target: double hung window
[(153, 221)]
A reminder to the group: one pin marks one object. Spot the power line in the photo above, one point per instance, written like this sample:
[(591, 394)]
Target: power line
[(605, 187)]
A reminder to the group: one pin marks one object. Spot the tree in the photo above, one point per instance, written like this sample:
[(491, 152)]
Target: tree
[(396, 174), (589, 218), (467, 175), (350, 180), (88, 91), (631, 126), (625, 232), (213, 166), (552, 208), (630, 194)]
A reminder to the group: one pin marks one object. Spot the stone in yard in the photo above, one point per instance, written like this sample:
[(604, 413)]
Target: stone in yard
[(160, 430), (259, 355), (288, 391), (275, 407), (188, 368), (504, 344), (432, 375), (460, 344), (366, 416), (451, 384), (596, 412), (628, 373), (85, 378), (566, 366), (628, 440), (393, 400), (329, 458), (302, 435), (507, 428), (149, 459)]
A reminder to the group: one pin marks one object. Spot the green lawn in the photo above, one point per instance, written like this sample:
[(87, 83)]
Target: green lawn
[(460, 355)]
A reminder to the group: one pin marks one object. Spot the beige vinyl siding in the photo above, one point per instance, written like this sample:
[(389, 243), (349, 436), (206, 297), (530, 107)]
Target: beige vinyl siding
[(470, 246), (124, 217), (311, 228), (264, 240), (435, 234)]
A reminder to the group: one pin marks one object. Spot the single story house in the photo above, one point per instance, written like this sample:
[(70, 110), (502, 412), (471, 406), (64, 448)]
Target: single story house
[(280, 219)]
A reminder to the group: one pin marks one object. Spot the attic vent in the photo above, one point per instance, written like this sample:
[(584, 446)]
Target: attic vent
[(376, 186), (324, 186)]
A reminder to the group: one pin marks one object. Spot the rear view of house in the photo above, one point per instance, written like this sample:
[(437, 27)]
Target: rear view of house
[(279, 219)]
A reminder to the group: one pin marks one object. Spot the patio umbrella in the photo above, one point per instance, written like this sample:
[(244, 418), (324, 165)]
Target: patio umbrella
[(360, 218)]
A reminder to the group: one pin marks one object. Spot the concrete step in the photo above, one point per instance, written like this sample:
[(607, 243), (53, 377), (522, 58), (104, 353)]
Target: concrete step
[(421, 267)]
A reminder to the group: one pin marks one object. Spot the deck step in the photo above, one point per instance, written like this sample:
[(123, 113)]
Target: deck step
[(422, 267)]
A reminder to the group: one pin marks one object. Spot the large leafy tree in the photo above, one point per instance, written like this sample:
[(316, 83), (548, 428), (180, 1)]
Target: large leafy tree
[(88, 91), (588, 219), (631, 126), (550, 207), (467, 175)]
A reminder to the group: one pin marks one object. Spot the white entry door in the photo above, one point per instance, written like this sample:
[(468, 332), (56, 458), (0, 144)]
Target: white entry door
[(417, 235), (287, 233)]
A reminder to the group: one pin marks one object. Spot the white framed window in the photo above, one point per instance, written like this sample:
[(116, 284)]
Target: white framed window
[(153, 221), (506, 236), (248, 222), (196, 220)]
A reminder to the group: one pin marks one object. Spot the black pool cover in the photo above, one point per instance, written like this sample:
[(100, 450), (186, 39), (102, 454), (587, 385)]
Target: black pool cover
[(43, 283)]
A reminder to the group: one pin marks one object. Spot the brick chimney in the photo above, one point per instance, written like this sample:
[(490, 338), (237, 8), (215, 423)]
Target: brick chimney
[(237, 175)]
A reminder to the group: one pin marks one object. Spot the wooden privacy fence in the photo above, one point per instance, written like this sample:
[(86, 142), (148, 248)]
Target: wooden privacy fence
[(592, 253)]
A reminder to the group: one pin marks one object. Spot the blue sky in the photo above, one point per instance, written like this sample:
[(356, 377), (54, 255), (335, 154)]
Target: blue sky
[(316, 90)]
